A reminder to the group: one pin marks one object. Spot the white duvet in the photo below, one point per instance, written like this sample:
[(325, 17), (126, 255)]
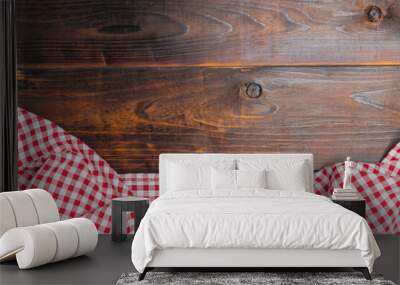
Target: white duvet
[(250, 219)]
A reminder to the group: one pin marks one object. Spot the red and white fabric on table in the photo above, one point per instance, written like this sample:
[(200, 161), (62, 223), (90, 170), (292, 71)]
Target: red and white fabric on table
[(83, 184)]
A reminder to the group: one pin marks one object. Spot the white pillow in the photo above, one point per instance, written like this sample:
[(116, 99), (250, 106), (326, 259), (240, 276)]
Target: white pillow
[(293, 179), (251, 178), (227, 179), (188, 177), (288, 175), (223, 179)]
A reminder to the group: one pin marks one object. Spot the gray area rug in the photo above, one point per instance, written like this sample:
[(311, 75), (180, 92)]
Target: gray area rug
[(269, 278)]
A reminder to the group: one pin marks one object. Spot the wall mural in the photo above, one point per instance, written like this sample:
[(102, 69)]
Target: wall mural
[(83, 184), (134, 79), (120, 82)]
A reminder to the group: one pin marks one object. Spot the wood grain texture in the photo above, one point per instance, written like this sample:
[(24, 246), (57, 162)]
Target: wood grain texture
[(229, 33), (129, 116)]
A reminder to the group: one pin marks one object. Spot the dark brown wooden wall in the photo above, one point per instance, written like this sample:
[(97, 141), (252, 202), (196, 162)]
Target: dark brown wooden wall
[(137, 78)]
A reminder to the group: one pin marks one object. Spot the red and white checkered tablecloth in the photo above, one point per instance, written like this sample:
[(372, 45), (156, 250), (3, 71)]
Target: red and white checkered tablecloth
[(83, 184), (80, 181), (376, 184)]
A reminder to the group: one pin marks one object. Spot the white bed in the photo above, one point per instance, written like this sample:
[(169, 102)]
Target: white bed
[(248, 227)]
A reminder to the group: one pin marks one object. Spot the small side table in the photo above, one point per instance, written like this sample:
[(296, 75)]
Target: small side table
[(356, 206), (126, 204)]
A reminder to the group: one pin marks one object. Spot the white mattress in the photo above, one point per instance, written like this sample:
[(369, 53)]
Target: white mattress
[(252, 219)]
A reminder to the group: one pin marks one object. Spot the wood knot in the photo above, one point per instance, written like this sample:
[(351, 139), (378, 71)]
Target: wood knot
[(374, 14), (253, 90)]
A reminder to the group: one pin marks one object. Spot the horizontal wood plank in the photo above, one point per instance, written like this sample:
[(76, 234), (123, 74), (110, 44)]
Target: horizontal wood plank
[(228, 33), (130, 116)]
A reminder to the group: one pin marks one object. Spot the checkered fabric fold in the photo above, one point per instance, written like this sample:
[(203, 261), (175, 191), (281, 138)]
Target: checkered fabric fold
[(83, 184), (80, 181), (378, 185)]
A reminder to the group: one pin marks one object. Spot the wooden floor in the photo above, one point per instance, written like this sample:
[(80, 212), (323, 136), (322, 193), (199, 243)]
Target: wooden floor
[(111, 259)]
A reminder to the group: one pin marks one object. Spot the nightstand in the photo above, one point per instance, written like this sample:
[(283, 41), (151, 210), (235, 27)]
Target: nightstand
[(126, 204), (356, 206)]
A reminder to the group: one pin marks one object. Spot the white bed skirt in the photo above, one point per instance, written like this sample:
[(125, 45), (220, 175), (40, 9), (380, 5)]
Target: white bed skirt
[(192, 257)]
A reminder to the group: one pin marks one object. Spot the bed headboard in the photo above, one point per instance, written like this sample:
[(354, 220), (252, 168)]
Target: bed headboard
[(213, 157)]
